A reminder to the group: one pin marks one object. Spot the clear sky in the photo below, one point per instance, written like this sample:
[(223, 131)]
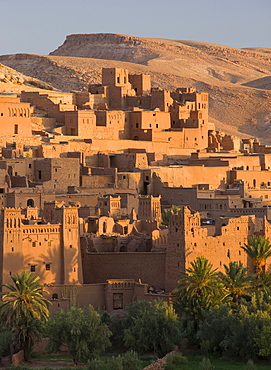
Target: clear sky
[(40, 26)]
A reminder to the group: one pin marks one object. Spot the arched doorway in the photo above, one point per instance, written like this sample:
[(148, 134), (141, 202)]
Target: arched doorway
[(30, 203)]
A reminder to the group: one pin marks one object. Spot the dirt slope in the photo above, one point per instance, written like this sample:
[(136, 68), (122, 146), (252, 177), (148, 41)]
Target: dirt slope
[(238, 80), (12, 81)]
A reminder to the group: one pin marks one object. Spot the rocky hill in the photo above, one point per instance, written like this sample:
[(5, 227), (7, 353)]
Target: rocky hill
[(12, 81), (238, 80)]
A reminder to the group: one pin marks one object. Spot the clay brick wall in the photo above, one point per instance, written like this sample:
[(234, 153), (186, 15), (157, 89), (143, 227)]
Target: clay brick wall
[(187, 176), (15, 119), (149, 267), (80, 98), (140, 83), (57, 174), (144, 102), (97, 181), (129, 180), (80, 123), (149, 119), (254, 179), (188, 240), (46, 122), (115, 76), (161, 99)]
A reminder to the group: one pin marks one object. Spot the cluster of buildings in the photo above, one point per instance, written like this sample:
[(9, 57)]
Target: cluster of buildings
[(85, 177)]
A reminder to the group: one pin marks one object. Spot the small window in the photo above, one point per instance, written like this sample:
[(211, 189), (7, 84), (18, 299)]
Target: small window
[(137, 125), (30, 165), (39, 174), (34, 244), (16, 129), (32, 268), (70, 245), (47, 266)]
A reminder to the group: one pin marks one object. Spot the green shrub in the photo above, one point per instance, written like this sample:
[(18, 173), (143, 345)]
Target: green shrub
[(116, 363), (205, 364), (173, 360), (5, 342), (250, 365), (20, 367), (127, 361), (131, 361), (94, 364)]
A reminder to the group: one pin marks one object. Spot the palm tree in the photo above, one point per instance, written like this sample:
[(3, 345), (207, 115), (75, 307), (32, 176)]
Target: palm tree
[(235, 280), (199, 279), (24, 309), (199, 288), (168, 212), (258, 249), (264, 284)]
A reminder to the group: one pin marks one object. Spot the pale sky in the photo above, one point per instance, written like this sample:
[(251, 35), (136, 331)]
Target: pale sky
[(40, 26)]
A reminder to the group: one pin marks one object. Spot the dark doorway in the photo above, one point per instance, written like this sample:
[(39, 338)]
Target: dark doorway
[(30, 203)]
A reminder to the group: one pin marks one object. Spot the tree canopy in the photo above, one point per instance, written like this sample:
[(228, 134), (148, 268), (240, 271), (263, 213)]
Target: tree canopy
[(236, 280), (151, 326), (258, 249), (81, 330), (24, 309), (199, 289)]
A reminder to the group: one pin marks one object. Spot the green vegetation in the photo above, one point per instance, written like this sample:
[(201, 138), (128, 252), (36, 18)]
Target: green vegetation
[(258, 249), (167, 213), (225, 314), (174, 360), (24, 310), (236, 281), (81, 331), (127, 361), (5, 341), (151, 326), (235, 302)]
